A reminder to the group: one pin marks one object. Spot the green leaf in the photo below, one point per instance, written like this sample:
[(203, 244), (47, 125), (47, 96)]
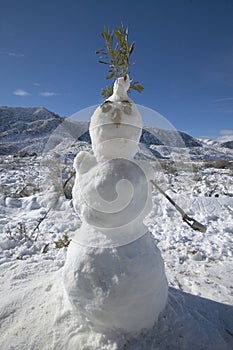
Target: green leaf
[(103, 36), (139, 88), (119, 37), (103, 62), (116, 54), (131, 48), (110, 76), (107, 92)]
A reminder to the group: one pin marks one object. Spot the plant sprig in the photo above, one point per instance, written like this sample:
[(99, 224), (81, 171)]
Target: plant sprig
[(116, 55)]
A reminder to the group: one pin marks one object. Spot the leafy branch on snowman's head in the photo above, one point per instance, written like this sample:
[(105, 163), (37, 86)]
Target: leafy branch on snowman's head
[(116, 55)]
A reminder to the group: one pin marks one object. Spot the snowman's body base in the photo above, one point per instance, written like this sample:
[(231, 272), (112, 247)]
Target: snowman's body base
[(122, 288)]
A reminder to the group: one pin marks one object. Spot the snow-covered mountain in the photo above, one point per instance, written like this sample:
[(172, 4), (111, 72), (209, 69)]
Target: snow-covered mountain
[(227, 144), (173, 138), (36, 130), (28, 130), (222, 141), (22, 128)]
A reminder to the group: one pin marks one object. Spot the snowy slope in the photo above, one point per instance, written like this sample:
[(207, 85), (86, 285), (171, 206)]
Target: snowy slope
[(172, 138), (227, 144), (28, 130), (34, 312), (20, 128), (222, 141), (37, 220)]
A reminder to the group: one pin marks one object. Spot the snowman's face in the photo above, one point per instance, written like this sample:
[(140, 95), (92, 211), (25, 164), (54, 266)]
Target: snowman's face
[(120, 112), (116, 109), (115, 130)]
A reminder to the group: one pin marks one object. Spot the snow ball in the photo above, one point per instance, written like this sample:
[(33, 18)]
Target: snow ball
[(123, 288), (13, 202), (198, 256), (7, 244), (2, 201), (33, 205), (83, 162), (115, 130), (113, 193), (4, 221)]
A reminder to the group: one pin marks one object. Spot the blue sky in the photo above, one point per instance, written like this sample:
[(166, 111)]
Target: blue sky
[(183, 53)]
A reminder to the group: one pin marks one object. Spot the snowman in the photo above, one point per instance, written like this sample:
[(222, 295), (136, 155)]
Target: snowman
[(114, 273)]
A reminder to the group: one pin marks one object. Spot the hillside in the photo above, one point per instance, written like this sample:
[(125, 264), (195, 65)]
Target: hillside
[(29, 129), (22, 128)]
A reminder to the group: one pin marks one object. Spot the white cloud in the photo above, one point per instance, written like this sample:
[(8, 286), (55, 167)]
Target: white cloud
[(224, 105), (12, 54), (20, 92), (226, 132), (49, 94), (225, 99), (36, 84)]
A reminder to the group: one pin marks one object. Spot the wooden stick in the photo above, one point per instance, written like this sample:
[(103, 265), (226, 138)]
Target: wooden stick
[(197, 226)]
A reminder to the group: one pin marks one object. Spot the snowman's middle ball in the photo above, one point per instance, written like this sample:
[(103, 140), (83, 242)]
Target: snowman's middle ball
[(115, 130), (113, 193)]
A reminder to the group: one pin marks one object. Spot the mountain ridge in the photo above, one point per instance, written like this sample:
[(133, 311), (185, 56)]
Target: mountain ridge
[(29, 129)]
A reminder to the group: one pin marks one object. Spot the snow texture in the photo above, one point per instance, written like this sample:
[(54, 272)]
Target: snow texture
[(34, 310), (115, 130), (113, 195), (122, 288)]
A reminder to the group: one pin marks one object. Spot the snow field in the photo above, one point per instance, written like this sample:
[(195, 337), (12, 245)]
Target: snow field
[(34, 311)]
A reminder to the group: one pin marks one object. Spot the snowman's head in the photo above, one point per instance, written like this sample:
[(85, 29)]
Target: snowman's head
[(115, 129)]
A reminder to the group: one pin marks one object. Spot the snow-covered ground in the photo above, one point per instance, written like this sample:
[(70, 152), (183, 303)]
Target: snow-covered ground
[(34, 311)]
